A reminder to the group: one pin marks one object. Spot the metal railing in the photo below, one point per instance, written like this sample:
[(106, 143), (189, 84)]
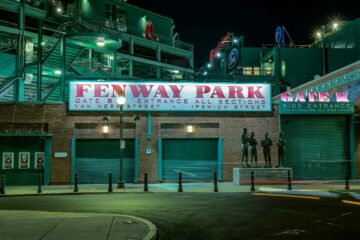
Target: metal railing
[(127, 28)]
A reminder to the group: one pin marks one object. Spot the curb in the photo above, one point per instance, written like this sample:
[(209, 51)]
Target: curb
[(152, 228), (65, 193)]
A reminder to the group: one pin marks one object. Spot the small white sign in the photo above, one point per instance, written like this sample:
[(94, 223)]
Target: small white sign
[(24, 160), (39, 160), (60, 154), (8, 160), (122, 145)]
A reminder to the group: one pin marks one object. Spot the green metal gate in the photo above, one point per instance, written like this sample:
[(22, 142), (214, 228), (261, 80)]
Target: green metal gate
[(12, 145), (96, 158), (197, 159), (317, 146)]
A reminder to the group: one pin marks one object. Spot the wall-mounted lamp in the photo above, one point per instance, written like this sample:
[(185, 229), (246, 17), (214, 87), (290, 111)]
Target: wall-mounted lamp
[(189, 129), (105, 128), (100, 42)]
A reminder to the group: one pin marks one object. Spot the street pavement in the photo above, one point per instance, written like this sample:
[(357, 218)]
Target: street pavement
[(311, 210)]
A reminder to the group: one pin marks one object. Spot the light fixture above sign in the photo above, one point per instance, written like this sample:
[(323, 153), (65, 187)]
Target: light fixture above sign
[(189, 129)]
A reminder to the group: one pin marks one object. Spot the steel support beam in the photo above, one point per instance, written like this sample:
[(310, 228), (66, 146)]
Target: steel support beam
[(62, 65), (39, 65)]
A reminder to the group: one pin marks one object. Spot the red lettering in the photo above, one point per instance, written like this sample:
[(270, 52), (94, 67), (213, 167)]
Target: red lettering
[(80, 89), (235, 92), (120, 91), (162, 91), (257, 93), (299, 97), (312, 96), (200, 90), (218, 91), (176, 91), (99, 89), (143, 90), (342, 96), (286, 97)]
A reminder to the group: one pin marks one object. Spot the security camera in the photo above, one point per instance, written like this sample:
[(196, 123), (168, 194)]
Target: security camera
[(136, 117), (106, 118)]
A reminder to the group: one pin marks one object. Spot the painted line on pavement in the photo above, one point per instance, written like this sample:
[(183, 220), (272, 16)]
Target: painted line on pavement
[(285, 195), (351, 202)]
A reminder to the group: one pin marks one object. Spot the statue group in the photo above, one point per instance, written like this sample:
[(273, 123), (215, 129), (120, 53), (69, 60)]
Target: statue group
[(266, 143)]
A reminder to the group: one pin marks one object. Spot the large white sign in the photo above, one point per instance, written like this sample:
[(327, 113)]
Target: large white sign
[(165, 96)]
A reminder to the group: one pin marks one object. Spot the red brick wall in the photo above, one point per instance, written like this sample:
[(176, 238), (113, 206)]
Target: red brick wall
[(61, 124)]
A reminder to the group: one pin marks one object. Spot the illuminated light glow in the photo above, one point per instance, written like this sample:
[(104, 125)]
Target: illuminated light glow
[(209, 65), (351, 202), (176, 71), (111, 57), (189, 129), (58, 9), (57, 72), (43, 43), (100, 43), (121, 100), (235, 40), (318, 34), (285, 195), (205, 73), (335, 25), (218, 54), (105, 129)]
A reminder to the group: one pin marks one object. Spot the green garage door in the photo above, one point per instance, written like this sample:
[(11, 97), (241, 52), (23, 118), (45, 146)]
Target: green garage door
[(317, 146), (96, 158), (195, 158)]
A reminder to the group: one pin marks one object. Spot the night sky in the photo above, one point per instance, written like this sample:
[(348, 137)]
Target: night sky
[(203, 23)]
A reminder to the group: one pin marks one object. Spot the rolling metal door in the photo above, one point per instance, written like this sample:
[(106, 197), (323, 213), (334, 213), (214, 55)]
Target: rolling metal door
[(195, 158), (95, 159), (317, 146)]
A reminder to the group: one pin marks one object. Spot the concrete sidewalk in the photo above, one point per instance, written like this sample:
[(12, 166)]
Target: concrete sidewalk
[(310, 186), (64, 226)]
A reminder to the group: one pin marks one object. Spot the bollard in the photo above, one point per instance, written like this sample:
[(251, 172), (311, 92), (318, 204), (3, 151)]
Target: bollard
[(215, 183), (347, 187), (2, 187), (39, 190), (146, 189), (76, 188), (110, 189), (180, 189), (289, 181), (252, 182)]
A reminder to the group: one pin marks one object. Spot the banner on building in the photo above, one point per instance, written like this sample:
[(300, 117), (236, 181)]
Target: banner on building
[(158, 96), (335, 102)]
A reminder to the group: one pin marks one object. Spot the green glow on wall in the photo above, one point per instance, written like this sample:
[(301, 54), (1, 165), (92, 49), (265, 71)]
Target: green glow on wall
[(85, 6)]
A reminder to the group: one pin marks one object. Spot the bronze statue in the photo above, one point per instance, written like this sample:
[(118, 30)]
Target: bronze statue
[(244, 147), (281, 149), (266, 143), (253, 151)]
